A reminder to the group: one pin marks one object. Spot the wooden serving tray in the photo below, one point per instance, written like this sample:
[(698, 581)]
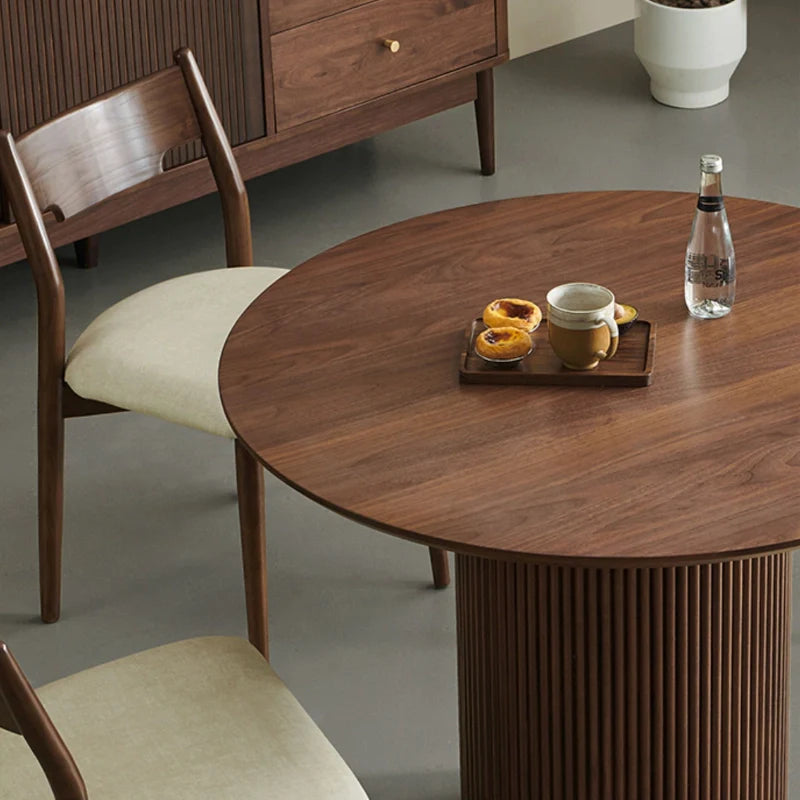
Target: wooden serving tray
[(632, 365)]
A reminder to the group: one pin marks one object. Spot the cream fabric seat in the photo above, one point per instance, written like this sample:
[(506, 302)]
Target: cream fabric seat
[(203, 718), (157, 351)]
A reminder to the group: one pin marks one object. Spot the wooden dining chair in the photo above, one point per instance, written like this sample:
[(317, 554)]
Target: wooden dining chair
[(156, 352), (202, 718)]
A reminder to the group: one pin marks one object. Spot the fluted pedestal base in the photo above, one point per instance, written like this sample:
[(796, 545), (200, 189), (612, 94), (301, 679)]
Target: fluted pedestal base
[(630, 684)]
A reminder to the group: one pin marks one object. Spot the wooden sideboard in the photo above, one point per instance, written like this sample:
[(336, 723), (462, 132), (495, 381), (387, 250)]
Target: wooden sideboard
[(291, 78)]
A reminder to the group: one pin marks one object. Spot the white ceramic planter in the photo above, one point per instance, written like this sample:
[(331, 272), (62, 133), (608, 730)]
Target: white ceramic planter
[(690, 53)]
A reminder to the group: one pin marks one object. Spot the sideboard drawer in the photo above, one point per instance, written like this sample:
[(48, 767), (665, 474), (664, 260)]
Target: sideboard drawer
[(342, 60), (284, 14)]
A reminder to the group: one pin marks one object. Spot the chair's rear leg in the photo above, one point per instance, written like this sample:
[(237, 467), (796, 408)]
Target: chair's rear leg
[(440, 566), (250, 489), (51, 504)]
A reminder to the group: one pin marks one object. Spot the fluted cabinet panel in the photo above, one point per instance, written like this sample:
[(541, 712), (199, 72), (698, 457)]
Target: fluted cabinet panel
[(55, 54), (622, 684)]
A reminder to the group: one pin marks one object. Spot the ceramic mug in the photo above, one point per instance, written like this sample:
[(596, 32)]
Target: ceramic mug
[(581, 325)]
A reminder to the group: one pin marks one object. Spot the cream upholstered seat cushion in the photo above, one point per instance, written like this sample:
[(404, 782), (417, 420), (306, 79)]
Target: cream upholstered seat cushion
[(158, 350), (200, 719)]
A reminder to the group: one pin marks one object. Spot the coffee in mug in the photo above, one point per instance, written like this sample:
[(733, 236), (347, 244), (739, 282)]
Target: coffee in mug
[(581, 325)]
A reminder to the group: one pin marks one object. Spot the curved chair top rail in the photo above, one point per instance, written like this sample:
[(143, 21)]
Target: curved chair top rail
[(107, 145)]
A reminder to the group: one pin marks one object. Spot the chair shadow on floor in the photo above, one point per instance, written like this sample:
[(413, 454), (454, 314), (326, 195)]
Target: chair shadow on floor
[(10, 619)]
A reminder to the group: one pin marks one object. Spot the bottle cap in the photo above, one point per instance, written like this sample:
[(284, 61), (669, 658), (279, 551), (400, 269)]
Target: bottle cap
[(711, 163)]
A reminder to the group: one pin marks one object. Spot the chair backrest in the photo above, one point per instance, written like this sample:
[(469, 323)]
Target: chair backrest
[(105, 146), (21, 712)]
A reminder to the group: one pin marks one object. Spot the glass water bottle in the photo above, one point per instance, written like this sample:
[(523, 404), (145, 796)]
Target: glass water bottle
[(710, 283)]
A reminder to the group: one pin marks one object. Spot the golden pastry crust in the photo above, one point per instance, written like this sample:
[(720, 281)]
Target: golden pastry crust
[(626, 317), (513, 313), (503, 343)]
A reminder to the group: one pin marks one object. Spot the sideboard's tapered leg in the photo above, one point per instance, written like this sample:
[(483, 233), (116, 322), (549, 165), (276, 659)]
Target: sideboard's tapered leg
[(484, 117), (87, 252), (660, 683)]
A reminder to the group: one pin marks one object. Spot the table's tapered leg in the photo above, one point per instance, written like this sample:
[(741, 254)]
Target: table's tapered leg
[(597, 684)]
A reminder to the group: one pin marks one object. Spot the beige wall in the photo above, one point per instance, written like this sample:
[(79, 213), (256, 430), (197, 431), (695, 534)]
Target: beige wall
[(536, 24)]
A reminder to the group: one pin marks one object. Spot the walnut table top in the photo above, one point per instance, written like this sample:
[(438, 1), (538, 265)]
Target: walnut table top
[(343, 379)]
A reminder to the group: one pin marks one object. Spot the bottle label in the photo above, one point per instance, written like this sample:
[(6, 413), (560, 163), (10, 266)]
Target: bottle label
[(709, 203), (708, 270)]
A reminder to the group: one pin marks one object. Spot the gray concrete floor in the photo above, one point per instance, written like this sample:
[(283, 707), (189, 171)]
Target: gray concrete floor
[(151, 543)]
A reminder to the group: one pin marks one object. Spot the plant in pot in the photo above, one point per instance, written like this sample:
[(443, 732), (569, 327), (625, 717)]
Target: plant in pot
[(690, 48)]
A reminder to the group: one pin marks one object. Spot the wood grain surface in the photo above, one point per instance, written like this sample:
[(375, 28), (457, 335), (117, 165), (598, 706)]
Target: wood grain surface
[(341, 60), (285, 14), (116, 141), (343, 379)]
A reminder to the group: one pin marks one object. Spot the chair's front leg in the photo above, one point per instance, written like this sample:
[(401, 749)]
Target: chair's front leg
[(250, 489), (51, 502)]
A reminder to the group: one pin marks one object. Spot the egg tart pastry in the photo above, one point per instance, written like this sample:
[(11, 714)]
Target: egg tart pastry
[(624, 316), (503, 343), (513, 313)]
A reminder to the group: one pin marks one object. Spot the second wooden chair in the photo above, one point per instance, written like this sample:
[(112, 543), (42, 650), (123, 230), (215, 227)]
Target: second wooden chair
[(202, 719)]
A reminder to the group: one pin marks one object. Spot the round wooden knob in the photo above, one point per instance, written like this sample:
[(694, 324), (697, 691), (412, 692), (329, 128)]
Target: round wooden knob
[(391, 44)]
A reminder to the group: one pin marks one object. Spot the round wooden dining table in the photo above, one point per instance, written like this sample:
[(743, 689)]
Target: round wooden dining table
[(623, 565)]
